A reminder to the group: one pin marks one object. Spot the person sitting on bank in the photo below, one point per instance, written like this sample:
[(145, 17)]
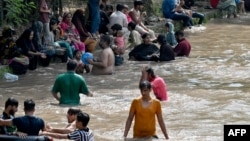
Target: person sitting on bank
[(71, 117), (229, 6), (134, 36), (27, 125), (104, 65), (82, 132), (10, 109), (144, 51), (170, 34), (70, 85), (183, 47)]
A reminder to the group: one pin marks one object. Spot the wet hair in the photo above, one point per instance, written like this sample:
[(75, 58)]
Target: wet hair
[(73, 111), (161, 39), (137, 2), (179, 33), (150, 71), (71, 65), (29, 105), (145, 35), (132, 25), (116, 27), (11, 102), (145, 84), (75, 52), (83, 118), (106, 38), (119, 7)]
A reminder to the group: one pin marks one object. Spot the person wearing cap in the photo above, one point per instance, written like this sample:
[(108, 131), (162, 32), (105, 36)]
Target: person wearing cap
[(137, 17), (27, 125)]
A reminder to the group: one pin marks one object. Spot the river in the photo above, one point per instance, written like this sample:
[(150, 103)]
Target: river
[(206, 90)]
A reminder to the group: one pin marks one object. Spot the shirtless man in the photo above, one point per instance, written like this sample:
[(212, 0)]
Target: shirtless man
[(105, 63)]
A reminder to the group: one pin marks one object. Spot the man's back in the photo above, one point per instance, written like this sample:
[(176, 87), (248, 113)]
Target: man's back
[(183, 48), (30, 125), (70, 85)]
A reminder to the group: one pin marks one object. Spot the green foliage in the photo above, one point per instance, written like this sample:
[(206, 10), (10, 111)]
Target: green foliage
[(18, 12), (3, 70)]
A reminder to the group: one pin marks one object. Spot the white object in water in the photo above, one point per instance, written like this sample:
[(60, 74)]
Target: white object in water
[(10, 76)]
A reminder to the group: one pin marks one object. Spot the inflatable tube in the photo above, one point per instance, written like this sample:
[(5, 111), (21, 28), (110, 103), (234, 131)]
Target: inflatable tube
[(28, 138), (214, 3), (167, 8)]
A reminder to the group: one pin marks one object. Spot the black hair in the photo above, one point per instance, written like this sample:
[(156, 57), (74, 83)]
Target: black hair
[(8, 32), (116, 27), (106, 38), (52, 22), (132, 25), (145, 35), (84, 118), (102, 6), (29, 105), (179, 33), (75, 52), (161, 39), (145, 84), (71, 65), (119, 7), (150, 71), (167, 25), (73, 111), (11, 102), (137, 2)]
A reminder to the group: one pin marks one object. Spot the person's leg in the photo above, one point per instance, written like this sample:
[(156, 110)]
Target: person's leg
[(66, 45), (186, 19), (198, 15), (90, 45)]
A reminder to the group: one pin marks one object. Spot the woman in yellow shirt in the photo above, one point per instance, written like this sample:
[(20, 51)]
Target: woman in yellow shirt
[(144, 110)]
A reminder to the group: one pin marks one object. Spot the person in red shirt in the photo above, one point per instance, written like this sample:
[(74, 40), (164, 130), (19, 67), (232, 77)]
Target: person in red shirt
[(183, 47), (158, 84)]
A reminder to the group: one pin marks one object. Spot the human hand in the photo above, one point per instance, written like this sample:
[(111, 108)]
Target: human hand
[(43, 56), (90, 61), (21, 134)]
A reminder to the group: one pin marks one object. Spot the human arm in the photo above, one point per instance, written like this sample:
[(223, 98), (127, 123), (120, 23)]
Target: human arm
[(128, 123), (144, 74), (162, 125), (5, 122), (55, 135), (56, 96)]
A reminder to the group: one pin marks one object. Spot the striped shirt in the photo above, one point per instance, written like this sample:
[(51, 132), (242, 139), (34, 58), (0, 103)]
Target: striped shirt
[(81, 135)]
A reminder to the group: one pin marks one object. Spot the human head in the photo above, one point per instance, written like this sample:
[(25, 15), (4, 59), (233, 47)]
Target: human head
[(119, 7), (52, 24), (182, 2), (138, 4), (115, 28), (67, 17), (27, 34), (77, 54), (11, 106), (146, 38), (145, 87), (161, 39), (71, 65), (151, 74), (105, 41), (131, 26), (125, 9), (179, 35), (167, 27), (82, 120), (71, 114), (29, 105)]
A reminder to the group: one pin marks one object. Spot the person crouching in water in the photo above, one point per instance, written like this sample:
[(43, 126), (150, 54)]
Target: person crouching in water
[(80, 65)]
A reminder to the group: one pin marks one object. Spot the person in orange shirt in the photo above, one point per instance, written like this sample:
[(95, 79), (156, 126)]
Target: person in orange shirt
[(144, 110)]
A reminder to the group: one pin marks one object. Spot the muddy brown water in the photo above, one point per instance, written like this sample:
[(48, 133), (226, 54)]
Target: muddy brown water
[(206, 90)]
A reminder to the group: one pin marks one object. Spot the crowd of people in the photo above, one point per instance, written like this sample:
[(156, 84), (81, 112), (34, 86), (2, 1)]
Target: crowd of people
[(74, 38)]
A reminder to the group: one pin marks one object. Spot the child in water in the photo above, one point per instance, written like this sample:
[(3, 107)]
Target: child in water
[(80, 65), (144, 109)]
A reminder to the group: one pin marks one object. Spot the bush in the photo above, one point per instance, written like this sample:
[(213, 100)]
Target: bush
[(18, 12)]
